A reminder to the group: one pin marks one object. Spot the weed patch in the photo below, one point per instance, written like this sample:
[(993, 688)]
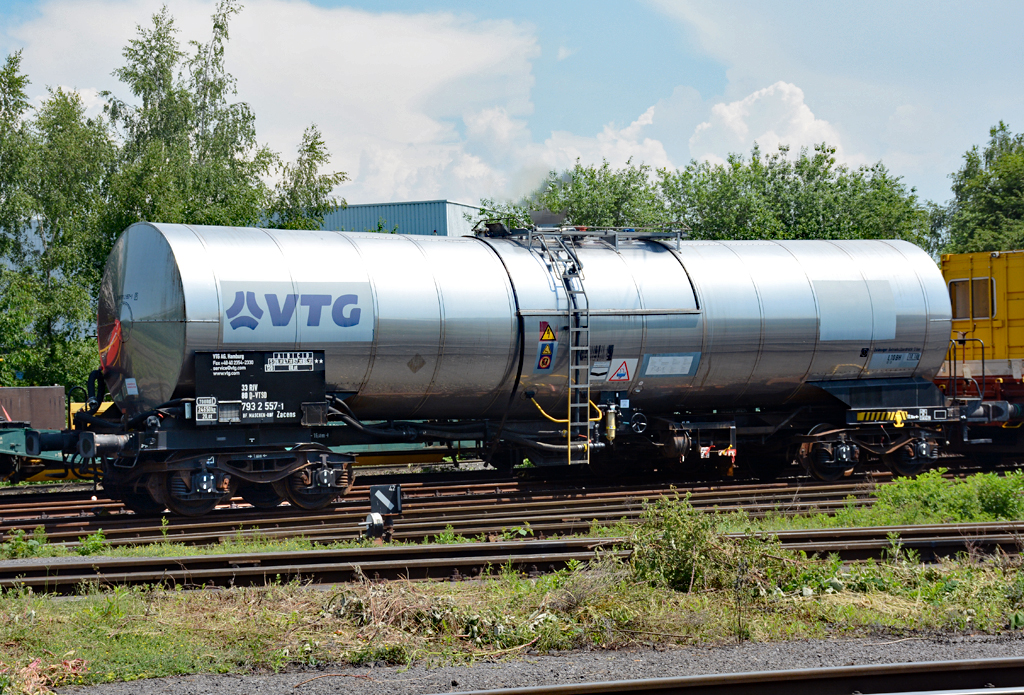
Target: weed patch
[(19, 544), (93, 544), (927, 499)]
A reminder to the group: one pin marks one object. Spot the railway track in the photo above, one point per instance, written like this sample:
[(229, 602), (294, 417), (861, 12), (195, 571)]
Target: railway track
[(974, 677), (71, 499), (381, 562), (930, 542), (35, 505), (467, 560), (473, 510)]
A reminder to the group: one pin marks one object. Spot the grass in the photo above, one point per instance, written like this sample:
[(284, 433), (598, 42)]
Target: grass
[(20, 544), (926, 499), (737, 592), (686, 583)]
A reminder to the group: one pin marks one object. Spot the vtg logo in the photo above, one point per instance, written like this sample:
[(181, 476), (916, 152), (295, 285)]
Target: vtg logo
[(281, 312), (301, 312)]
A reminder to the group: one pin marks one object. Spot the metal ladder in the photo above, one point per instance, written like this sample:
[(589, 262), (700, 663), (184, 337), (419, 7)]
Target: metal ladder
[(566, 265)]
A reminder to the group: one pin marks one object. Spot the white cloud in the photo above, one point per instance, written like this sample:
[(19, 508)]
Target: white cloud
[(913, 84), (617, 145), (387, 90), (773, 116), (564, 52), (675, 118), (495, 128), (91, 100), (412, 106), (519, 164)]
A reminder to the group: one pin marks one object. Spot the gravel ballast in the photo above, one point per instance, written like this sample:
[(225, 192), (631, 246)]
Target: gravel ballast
[(581, 667)]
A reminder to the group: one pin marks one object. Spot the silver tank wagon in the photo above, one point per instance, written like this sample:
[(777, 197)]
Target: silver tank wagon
[(257, 361), (426, 327)]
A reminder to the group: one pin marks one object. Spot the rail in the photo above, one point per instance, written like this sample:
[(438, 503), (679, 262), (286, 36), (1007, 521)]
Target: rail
[(457, 561), (978, 675)]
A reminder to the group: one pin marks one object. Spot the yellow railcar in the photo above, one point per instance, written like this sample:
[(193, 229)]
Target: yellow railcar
[(986, 291), (986, 358)]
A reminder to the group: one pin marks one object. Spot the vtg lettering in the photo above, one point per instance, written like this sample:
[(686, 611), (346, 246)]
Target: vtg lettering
[(281, 313)]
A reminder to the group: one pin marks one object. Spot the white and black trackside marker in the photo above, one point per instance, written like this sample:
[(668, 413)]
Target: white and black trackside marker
[(384, 500)]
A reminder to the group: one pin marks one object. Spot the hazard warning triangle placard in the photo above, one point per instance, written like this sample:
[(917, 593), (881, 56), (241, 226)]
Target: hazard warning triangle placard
[(545, 331), (621, 372)]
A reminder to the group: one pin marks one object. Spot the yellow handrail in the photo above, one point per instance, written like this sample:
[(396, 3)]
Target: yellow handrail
[(566, 421), (561, 422)]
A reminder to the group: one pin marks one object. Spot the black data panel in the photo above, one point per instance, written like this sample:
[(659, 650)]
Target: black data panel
[(251, 388)]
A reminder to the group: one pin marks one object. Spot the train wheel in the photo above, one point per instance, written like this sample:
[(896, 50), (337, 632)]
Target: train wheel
[(173, 491), (905, 462), (295, 488), (823, 467), (817, 459), (191, 507), (261, 495)]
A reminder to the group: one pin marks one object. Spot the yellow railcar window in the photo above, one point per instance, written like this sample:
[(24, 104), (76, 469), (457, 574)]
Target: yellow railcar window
[(960, 298), (978, 291)]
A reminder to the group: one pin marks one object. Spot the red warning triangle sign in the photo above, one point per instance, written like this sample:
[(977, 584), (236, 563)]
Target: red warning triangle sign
[(621, 373)]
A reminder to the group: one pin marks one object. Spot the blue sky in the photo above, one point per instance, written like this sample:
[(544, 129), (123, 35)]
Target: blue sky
[(461, 100)]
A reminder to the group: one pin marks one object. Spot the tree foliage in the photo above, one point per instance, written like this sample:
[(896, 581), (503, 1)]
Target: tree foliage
[(49, 242), (777, 197), (180, 149), (600, 196), (189, 154), (987, 210), (72, 156), (773, 196), (15, 152), (302, 197), (589, 196)]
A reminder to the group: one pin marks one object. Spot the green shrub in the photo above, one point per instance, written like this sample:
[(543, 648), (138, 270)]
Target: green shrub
[(19, 544), (389, 654), (1001, 497), (1015, 591), (927, 498), (930, 498), (677, 546), (448, 536), (93, 544)]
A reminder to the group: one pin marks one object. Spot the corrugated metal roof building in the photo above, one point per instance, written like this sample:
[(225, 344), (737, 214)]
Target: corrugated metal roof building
[(437, 217)]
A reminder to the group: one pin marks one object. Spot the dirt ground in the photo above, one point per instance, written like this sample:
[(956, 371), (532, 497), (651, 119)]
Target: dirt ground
[(580, 667)]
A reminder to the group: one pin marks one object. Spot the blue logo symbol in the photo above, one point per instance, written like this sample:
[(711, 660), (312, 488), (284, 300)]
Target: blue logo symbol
[(245, 299), (281, 312)]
